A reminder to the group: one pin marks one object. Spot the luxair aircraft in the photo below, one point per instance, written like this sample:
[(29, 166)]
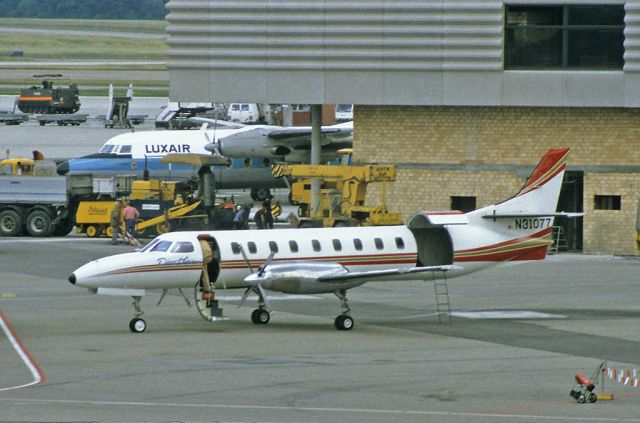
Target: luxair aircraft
[(430, 246), (178, 154)]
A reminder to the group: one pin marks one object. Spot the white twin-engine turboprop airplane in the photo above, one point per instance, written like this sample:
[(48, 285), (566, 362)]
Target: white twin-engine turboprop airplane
[(334, 260)]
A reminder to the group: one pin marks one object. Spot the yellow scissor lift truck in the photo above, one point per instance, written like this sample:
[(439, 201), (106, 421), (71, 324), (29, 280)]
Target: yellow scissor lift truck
[(343, 191)]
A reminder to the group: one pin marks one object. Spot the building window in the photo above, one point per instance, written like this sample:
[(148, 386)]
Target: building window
[(293, 246), (464, 204), (607, 202), (337, 245), (564, 37)]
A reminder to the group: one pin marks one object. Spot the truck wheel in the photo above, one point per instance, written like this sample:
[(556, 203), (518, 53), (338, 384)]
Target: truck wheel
[(10, 223), (63, 228), (163, 228), (92, 231), (39, 223), (260, 194)]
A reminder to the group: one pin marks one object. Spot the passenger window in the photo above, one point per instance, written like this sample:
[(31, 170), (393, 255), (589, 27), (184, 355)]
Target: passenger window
[(235, 248), (273, 246), (357, 244), (399, 243), (378, 242), (182, 247), (162, 246), (293, 246), (316, 245), (252, 247), (337, 245)]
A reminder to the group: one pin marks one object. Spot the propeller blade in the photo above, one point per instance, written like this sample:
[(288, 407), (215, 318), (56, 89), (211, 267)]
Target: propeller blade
[(263, 294), (266, 263), (245, 296)]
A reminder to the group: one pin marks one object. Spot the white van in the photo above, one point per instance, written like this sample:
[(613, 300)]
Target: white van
[(245, 113), (344, 112)]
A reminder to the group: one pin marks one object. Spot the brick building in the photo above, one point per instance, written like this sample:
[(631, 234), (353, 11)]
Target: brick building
[(464, 96)]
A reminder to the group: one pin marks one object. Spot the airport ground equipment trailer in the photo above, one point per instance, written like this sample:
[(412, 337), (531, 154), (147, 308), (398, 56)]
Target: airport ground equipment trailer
[(62, 119), (41, 206), (11, 118), (343, 191)]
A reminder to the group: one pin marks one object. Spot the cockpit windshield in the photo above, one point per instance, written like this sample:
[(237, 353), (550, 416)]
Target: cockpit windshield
[(149, 245), (108, 149), (159, 245)]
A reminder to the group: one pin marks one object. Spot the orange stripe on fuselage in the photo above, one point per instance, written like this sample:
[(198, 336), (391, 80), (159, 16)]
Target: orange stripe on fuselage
[(35, 98)]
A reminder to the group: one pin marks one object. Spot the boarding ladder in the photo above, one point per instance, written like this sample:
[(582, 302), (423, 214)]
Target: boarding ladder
[(441, 289), (559, 240)]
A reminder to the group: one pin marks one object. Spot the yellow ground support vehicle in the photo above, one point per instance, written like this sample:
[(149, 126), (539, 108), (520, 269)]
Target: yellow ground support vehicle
[(17, 166), (93, 218), (162, 208), (343, 192)]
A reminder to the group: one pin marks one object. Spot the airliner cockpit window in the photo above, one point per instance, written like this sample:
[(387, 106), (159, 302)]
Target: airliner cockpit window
[(149, 245), (108, 149), (162, 246), (182, 247), (125, 149)]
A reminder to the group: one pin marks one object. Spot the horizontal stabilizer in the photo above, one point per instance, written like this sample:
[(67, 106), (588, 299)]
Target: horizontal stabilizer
[(512, 215)]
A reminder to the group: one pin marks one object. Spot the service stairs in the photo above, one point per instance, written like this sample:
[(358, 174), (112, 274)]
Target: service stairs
[(443, 305)]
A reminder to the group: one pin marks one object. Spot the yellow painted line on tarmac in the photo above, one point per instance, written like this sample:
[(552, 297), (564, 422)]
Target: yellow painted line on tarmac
[(8, 295)]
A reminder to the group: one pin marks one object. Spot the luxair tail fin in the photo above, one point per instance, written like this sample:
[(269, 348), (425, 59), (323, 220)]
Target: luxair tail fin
[(520, 228)]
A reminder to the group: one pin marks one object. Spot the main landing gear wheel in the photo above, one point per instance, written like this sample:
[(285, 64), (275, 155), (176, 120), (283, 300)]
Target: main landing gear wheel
[(260, 316), (343, 322), (137, 325)]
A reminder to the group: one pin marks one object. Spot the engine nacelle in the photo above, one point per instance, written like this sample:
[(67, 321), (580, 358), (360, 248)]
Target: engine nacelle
[(300, 278)]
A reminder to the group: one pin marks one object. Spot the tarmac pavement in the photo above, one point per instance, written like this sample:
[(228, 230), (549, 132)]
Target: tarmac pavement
[(518, 336)]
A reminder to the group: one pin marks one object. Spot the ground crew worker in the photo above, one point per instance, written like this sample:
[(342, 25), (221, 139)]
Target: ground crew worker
[(130, 216), (207, 257), (268, 217), (116, 220)]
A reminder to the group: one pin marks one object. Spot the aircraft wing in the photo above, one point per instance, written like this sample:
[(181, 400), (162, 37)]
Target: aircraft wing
[(275, 141), (383, 275), (216, 123), (192, 159)]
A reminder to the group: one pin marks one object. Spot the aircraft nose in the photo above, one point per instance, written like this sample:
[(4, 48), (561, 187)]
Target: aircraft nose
[(63, 168), (72, 278)]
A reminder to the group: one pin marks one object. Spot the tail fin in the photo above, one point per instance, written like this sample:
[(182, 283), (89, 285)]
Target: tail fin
[(520, 228), (539, 195)]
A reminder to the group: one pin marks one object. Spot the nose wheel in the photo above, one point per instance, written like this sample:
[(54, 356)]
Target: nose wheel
[(137, 324)]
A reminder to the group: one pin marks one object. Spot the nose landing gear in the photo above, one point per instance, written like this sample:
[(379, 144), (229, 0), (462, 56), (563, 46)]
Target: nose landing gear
[(137, 324)]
